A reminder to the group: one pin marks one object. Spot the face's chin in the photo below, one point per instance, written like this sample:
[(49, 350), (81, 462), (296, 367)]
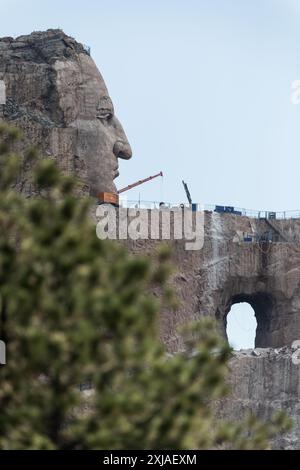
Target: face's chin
[(106, 185), (116, 172), (114, 188), (110, 187)]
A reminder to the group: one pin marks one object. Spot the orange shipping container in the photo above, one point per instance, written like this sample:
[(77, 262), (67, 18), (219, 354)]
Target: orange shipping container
[(108, 198)]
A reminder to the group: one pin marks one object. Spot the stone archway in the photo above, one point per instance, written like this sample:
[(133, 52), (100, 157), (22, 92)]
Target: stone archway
[(241, 326), (263, 305)]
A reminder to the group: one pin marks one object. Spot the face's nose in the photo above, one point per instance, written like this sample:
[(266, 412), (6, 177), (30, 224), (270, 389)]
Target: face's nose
[(122, 149)]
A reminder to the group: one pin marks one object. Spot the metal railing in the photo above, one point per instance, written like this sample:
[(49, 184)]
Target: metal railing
[(151, 205), (255, 214)]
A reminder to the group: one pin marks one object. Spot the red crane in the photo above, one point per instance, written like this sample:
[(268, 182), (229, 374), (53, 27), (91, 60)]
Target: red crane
[(137, 183), (110, 198)]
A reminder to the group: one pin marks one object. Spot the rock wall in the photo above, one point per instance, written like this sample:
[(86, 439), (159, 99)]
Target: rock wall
[(228, 270), (264, 381), (264, 273)]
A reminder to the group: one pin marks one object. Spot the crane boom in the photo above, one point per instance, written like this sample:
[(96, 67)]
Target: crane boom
[(188, 194), (137, 183)]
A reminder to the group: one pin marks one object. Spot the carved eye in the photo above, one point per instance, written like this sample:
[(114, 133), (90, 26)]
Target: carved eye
[(104, 114), (105, 109)]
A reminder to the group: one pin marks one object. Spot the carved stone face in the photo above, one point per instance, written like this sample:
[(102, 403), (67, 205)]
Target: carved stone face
[(57, 96), (100, 139)]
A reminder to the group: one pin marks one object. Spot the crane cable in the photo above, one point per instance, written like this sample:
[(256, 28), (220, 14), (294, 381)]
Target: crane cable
[(161, 189)]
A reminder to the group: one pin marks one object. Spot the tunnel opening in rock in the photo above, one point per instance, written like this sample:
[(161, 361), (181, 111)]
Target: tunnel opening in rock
[(241, 326), (258, 315)]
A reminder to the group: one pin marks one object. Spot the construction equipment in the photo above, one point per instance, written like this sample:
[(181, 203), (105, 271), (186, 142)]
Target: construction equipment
[(187, 192), (112, 198), (137, 183), (227, 210), (108, 198)]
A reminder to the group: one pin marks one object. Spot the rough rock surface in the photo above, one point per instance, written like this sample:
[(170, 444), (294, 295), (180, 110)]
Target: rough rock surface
[(267, 275), (264, 381), (57, 96), (228, 270)]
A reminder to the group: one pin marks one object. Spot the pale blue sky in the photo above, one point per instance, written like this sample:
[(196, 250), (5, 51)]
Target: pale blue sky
[(202, 88), (241, 326)]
